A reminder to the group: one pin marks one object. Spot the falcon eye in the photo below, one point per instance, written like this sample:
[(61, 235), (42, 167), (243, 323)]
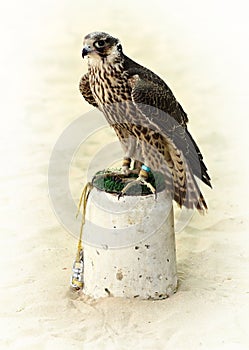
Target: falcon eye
[(99, 43), (119, 48)]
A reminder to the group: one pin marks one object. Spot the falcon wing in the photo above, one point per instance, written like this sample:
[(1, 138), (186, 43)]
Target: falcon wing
[(85, 90), (156, 92), (156, 101)]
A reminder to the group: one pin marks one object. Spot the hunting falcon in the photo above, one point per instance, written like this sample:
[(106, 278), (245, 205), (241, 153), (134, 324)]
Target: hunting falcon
[(150, 123)]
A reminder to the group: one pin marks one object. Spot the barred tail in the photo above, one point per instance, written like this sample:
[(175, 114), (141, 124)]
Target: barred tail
[(190, 195)]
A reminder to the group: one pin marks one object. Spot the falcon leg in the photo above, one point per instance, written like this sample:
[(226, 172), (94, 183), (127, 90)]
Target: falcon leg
[(126, 166), (142, 179), (137, 166), (124, 172)]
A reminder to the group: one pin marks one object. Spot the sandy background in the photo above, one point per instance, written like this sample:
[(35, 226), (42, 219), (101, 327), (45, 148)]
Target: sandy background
[(201, 50)]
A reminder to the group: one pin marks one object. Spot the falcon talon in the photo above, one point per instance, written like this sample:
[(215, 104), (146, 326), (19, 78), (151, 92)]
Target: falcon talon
[(150, 187), (120, 195), (133, 182)]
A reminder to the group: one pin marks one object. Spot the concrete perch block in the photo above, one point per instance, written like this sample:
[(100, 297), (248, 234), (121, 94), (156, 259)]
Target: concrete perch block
[(129, 246)]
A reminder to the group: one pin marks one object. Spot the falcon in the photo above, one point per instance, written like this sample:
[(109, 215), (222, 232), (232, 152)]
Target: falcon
[(149, 122)]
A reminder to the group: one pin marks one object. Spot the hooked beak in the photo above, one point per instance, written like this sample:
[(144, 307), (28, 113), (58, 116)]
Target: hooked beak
[(85, 51)]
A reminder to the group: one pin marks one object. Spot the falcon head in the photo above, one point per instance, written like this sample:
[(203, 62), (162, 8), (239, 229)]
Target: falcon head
[(99, 45)]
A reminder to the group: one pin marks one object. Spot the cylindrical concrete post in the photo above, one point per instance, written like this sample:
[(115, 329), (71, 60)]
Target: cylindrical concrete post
[(129, 246)]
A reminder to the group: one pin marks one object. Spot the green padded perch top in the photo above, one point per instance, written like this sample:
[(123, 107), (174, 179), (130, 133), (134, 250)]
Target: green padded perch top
[(113, 181)]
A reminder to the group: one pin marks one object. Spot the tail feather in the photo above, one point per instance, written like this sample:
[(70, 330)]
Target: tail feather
[(186, 191), (195, 159), (191, 194)]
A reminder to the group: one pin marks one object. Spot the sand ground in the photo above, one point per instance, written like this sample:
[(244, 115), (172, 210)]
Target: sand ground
[(200, 48)]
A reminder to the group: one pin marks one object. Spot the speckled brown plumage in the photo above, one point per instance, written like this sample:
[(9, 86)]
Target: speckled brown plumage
[(148, 120)]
